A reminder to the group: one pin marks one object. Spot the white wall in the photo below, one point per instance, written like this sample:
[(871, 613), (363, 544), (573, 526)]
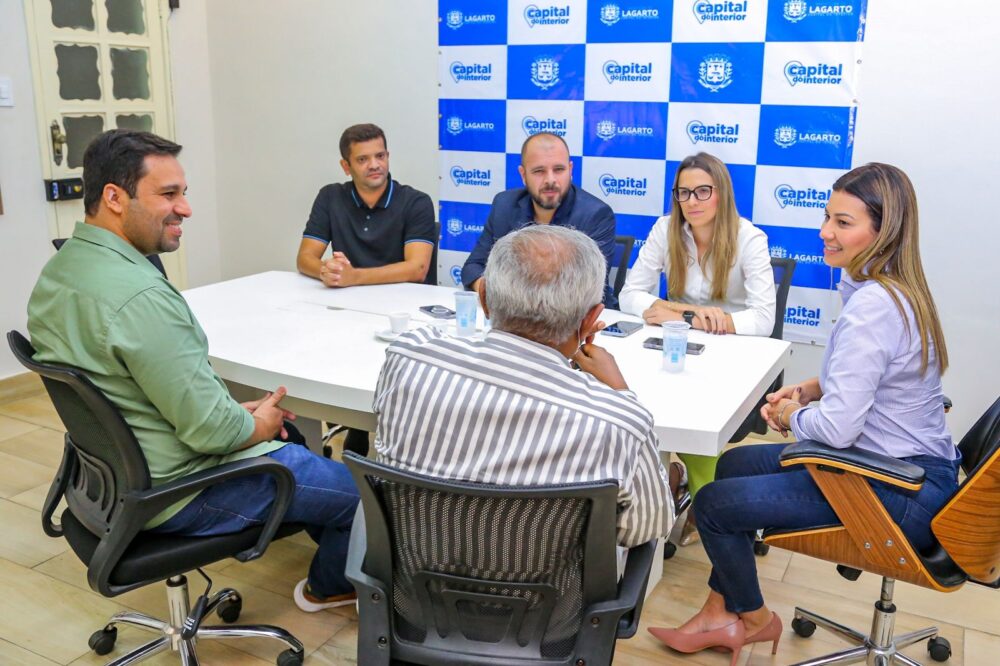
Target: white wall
[(24, 234), (287, 78)]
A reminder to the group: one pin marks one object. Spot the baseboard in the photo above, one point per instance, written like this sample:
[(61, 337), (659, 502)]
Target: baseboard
[(17, 387)]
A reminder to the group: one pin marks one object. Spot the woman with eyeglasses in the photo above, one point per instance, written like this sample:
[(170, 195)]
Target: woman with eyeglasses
[(879, 390), (718, 270)]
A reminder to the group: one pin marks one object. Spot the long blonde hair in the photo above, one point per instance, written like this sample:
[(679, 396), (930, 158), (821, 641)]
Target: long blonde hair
[(893, 260), (722, 253)]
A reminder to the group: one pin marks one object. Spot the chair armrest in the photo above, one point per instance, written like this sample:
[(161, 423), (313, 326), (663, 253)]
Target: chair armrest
[(627, 608), (149, 503), (58, 489), (875, 466)]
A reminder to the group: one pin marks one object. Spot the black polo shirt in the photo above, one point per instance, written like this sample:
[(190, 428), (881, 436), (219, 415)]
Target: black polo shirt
[(371, 237)]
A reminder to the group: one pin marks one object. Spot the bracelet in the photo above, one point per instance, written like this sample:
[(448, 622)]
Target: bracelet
[(782, 413)]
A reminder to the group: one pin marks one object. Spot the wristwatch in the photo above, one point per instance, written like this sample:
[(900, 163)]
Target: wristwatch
[(688, 316)]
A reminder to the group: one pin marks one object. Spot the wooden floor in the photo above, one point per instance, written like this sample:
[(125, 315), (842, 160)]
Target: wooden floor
[(47, 611)]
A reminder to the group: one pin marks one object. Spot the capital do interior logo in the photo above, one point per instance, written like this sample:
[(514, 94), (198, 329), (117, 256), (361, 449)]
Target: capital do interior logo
[(551, 15), (532, 125), (461, 72), (624, 187), (786, 136), (715, 72), (719, 11), (545, 72), (819, 74), (471, 177), (699, 132), (455, 226), (627, 72), (456, 275), (807, 197)]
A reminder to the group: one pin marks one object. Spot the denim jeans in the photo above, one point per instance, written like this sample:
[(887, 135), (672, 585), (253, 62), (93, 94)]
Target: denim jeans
[(752, 491), (325, 500)]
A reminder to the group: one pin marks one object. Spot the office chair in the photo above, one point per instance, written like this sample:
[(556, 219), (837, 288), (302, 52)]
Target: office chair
[(619, 265), (450, 572), (110, 497), (153, 258), (967, 529)]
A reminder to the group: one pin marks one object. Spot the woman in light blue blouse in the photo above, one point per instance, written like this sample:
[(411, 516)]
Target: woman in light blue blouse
[(879, 389)]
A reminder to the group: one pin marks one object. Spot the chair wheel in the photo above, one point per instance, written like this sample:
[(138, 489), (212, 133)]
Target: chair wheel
[(291, 658), (760, 548), (803, 627), (669, 550), (229, 609), (939, 648), (102, 641)]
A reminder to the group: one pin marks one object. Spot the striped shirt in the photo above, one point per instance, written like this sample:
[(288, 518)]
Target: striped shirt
[(506, 410)]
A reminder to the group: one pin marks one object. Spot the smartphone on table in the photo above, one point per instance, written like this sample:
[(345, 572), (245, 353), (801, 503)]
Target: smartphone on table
[(621, 329), (693, 348), (438, 311)]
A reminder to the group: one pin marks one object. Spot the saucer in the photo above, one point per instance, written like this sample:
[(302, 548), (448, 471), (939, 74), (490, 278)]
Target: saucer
[(386, 335)]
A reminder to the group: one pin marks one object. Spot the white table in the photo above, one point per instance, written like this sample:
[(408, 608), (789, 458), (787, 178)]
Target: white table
[(281, 328)]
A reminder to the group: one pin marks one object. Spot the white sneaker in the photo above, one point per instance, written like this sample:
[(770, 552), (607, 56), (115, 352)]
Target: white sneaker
[(311, 603)]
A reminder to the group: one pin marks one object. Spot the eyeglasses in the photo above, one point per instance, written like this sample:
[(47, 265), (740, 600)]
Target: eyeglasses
[(701, 193)]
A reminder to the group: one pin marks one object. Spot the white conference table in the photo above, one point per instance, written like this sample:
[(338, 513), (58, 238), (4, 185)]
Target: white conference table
[(282, 328)]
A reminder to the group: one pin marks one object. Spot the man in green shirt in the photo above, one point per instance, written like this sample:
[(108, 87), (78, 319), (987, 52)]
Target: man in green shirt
[(101, 306)]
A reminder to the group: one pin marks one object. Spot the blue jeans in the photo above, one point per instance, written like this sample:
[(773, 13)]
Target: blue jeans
[(325, 500), (752, 491)]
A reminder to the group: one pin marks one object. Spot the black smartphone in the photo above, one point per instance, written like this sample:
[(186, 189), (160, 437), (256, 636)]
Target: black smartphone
[(620, 329), (693, 348), (438, 311)]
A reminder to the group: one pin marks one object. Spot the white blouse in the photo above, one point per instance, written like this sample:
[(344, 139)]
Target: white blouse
[(750, 298)]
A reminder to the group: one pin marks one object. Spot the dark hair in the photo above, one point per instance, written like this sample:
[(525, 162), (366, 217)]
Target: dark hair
[(541, 135), (118, 157), (358, 134)]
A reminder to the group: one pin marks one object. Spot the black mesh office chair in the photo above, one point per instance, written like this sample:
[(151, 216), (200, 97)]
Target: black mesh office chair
[(153, 258), (619, 264), (109, 495), (474, 574)]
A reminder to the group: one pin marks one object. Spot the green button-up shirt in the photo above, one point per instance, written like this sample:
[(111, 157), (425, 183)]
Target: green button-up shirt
[(99, 305)]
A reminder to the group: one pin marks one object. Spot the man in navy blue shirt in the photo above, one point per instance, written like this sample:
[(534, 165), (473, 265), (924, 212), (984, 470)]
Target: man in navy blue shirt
[(548, 197)]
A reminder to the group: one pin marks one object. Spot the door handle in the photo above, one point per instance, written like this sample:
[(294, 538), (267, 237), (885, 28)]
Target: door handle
[(58, 142)]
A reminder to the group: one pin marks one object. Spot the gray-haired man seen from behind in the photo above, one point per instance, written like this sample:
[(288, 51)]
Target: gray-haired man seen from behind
[(510, 408)]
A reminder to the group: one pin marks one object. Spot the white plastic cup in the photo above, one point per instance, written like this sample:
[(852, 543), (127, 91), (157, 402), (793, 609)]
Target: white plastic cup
[(399, 322), (465, 313), (675, 337)]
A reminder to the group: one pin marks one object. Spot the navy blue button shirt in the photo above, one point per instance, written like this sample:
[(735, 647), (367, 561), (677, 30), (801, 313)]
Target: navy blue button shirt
[(513, 210)]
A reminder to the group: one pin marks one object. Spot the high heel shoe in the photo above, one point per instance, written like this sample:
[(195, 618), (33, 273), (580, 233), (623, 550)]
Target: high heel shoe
[(732, 637), (689, 533), (770, 632)]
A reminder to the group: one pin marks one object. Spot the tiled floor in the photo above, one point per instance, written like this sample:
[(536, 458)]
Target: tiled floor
[(47, 610)]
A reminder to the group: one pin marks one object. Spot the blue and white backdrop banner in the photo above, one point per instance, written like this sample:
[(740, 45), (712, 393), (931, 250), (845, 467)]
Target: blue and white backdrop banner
[(634, 86)]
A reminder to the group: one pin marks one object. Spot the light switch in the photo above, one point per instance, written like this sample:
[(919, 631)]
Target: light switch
[(6, 91)]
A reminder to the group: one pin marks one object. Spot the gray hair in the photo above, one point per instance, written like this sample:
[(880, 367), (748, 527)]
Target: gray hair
[(542, 280)]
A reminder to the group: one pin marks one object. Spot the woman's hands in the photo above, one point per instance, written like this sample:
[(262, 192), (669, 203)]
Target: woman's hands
[(781, 404), (708, 318)]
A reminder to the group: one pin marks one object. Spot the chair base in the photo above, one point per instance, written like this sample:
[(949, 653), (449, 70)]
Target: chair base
[(170, 631), (878, 648)]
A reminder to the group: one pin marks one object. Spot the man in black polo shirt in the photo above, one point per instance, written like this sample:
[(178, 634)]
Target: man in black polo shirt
[(380, 231)]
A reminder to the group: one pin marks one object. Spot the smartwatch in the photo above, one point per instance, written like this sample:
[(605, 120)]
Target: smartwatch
[(688, 316)]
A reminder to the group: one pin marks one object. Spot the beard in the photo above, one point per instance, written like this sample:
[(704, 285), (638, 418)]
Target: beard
[(552, 204)]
